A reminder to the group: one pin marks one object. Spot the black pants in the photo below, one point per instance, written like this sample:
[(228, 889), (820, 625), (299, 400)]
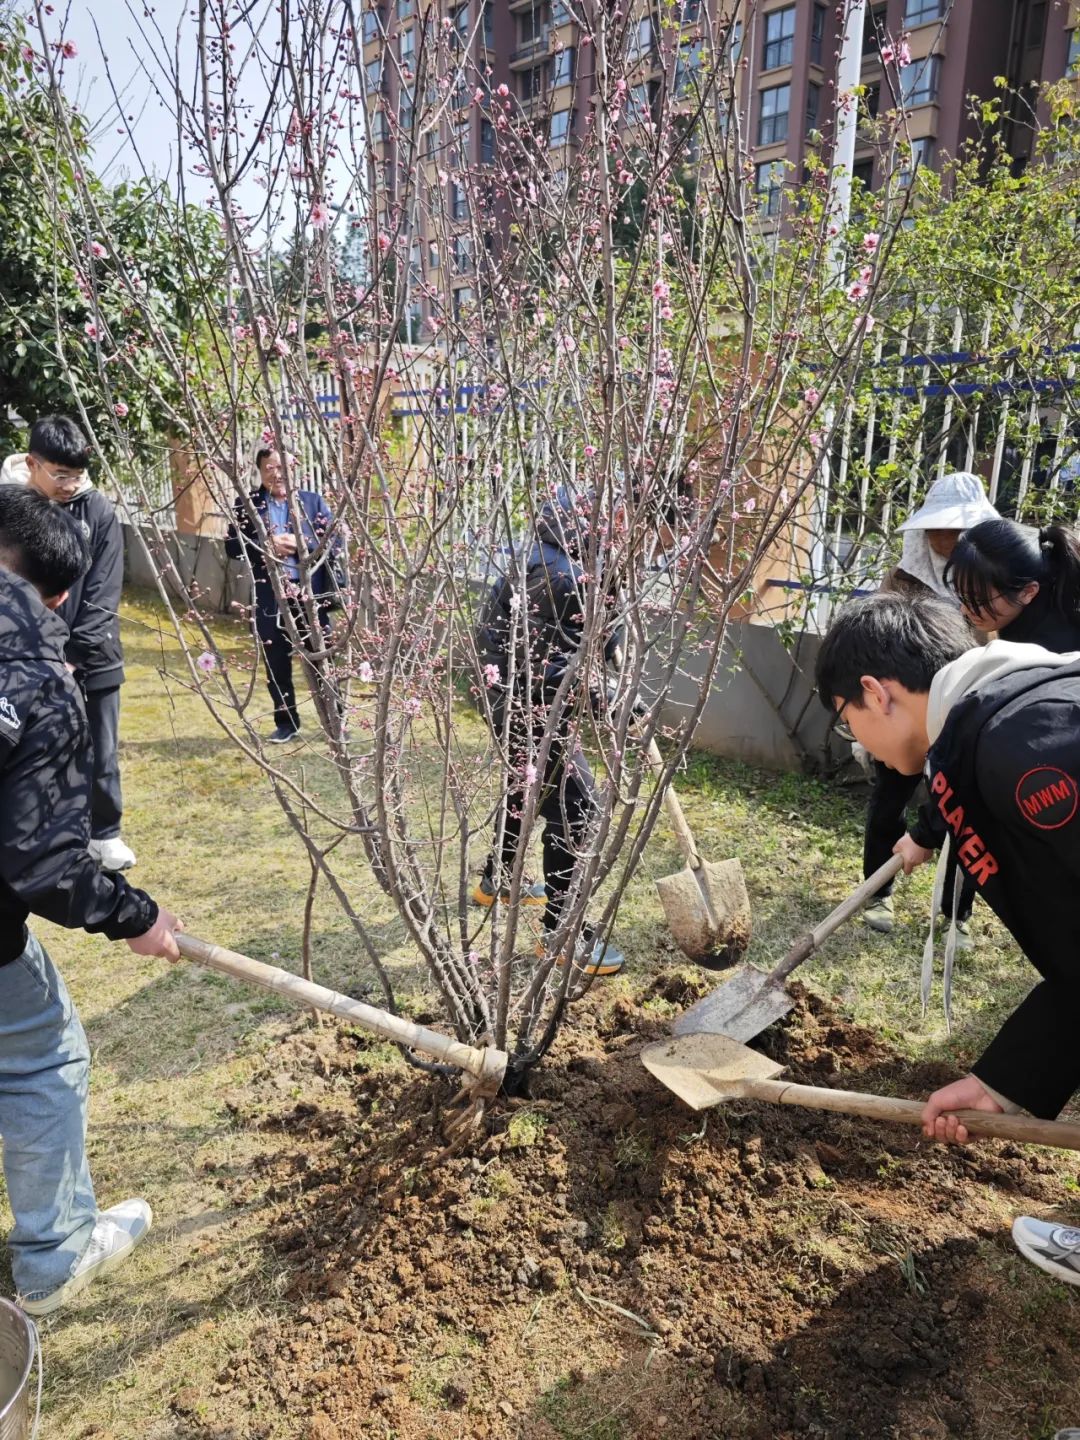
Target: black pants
[(886, 821), (106, 801), (567, 806), (277, 650)]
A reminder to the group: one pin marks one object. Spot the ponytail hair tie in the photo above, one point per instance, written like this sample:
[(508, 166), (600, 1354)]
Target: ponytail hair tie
[(1046, 541)]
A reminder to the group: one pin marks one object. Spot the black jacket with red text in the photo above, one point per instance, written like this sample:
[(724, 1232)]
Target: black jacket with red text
[(1004, 775)]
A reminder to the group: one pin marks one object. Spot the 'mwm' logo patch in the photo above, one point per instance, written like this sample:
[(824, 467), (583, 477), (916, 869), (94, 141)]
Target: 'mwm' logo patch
[(1047, 797), (8, 714)]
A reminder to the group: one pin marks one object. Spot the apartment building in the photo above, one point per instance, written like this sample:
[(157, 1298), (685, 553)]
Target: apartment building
[(788, 48)]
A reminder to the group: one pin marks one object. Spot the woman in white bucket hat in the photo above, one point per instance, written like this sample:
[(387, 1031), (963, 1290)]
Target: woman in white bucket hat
[(953, 504)]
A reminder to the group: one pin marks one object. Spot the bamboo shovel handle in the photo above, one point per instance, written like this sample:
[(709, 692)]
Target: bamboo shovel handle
[(683, 834), (1024, 1128), (805, 947), (488, 1065)]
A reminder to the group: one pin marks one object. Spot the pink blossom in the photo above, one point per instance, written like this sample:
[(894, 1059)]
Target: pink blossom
[(817, 439), (241, 332), (750, 506), (97, 250), (492, 675), (590, 451), (625, 177), (412, 706), (870, 241), (567, 344), (530, 774), (365, 672), (320, 215), (857, 291), (864, 325), (503, 91), (478, 96), (866, 274), (92, 331), (903, 55), (27, 53), (666, 312), (887, 54), (811, 397), (280, 345), (120, 410), (661, 290), (206, 662), (833, 231), (69, 49)]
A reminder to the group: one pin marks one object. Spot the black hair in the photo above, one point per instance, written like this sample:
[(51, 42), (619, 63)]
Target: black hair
[(40, 541), (907, 638), (262, 453), (59, 440), (1000, 557)]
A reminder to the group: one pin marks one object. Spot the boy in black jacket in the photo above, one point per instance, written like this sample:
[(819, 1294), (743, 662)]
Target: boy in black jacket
[(997, 730), (61, 1241), (55, 466)]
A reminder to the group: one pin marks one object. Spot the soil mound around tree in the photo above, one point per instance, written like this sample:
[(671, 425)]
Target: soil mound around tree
[(602, 1263)]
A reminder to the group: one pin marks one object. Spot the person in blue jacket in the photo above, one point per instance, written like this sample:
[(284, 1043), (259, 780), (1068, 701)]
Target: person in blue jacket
[(274, 542)]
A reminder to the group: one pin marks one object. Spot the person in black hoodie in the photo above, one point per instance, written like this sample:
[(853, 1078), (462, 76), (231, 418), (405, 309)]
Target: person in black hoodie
[(529, 677), (997, 730), (55, 466), (61, 1241), (1022, 583)]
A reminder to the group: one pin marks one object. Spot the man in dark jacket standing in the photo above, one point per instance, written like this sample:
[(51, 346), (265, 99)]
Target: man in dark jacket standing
[(61, 1241), (273, 542), (997, 729), (529, 676), (55, 466)]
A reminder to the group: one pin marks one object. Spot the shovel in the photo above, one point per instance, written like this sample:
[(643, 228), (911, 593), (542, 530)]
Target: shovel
[(485, 1064), (705, 904), (751, 1001), (705, 1070)]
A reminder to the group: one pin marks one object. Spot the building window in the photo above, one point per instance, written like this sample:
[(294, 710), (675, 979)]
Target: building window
[(919, 82), (640, 42), (463, 255), (1073, 60), (873, 28), (690, 61), (642, 102), (560, 15), (779, 38), (531, 28), (404, 9), (489, 26), (922, 155), (433, 256), (688, 11), (813, 106), (378, 126), (1036, 26), (373, 71), (462, 297), (408, 46), (817, 35), (773, 118), (562, 67), (406, 109), (870, 103), (560, 128), (372, 26), (459, 202), (487, 143), (531, 84), (769, 184), (461, 25), (921, 12), (863, 171)]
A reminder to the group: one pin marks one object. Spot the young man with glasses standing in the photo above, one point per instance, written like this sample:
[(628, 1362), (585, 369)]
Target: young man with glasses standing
[(55, 466)]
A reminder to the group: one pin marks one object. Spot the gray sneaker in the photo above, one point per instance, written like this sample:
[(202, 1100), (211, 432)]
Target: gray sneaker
[(879, 916), (1053, 1248), (117, 1232)]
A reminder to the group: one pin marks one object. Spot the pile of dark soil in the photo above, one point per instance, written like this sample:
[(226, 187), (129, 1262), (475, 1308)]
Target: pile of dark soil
[(603, 1265)]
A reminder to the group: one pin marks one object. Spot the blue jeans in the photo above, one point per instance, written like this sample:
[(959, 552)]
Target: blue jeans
[(44, 1076)]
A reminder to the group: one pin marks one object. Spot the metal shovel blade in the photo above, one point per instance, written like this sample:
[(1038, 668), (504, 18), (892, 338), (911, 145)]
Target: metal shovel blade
[(705, 1070), (741, 1008), (708, 911)]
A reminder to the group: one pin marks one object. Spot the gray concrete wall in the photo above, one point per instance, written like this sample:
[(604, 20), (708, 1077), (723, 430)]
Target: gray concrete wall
[(200, 561)]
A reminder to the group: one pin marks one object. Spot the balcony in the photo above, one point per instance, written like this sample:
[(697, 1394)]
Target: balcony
[(533, 50)]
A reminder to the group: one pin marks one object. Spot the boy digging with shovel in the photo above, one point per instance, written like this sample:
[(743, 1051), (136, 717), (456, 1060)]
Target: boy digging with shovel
[(997, 730)]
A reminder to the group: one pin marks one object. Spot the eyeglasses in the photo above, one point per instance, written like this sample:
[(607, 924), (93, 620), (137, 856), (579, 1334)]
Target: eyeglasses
[(841, 727), (61, 476)]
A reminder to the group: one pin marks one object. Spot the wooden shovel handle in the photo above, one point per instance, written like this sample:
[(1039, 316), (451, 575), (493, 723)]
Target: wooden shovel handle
[(1025, 1128), (486, 1064), (807, 944), (683, 834)]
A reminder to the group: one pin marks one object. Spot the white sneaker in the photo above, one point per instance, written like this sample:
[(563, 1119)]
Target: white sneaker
[(117, 1232), (112, 854), (1053, 1248), (879, 916)]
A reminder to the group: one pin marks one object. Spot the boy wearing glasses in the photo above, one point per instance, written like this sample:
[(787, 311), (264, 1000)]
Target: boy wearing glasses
[(996, 729), (55, 466)]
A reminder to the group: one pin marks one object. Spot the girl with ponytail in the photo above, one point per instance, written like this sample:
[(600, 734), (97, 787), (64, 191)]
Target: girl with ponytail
[(1022, 583)]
